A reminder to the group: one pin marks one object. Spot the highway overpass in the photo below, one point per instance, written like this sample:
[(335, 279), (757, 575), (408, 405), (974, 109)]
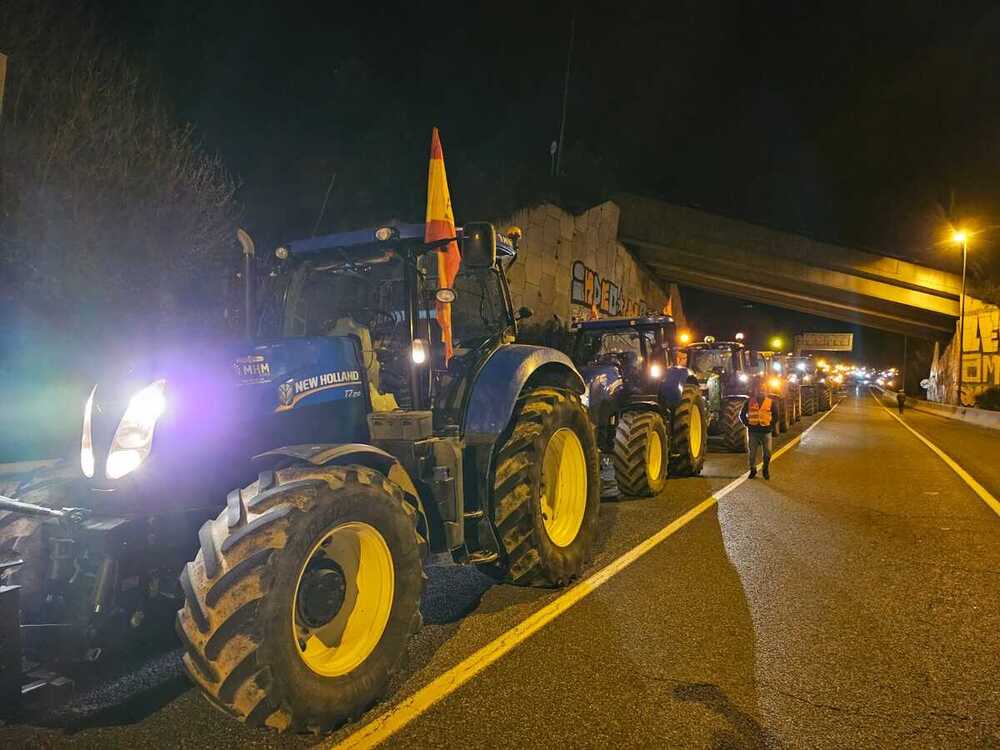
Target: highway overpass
[(740, 259)]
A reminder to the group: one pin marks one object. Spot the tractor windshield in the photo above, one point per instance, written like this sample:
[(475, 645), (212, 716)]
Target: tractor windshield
[(705, 361), (592, 345)]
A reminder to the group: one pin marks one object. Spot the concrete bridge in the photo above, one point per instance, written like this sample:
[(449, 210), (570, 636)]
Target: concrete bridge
[(736, 258)]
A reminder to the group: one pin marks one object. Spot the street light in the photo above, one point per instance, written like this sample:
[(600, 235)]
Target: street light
[(961, 237)]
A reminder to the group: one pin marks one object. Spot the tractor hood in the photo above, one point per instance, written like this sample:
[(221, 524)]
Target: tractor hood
[(234, 398)]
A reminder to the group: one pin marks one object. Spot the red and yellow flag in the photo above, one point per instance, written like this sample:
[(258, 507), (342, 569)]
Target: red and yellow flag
[(440, 225)]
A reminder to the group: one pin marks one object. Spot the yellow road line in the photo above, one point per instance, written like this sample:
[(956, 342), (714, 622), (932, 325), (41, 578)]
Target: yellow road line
[(984, 494), (387, 724)]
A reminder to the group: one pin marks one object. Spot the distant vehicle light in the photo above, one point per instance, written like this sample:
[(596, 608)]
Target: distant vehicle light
[(739, 336), (744, 378), (806, 378), (418, 353), (776, 366), (775, 383), (656, 371), (384, 234), (801, 367), (793, 378)]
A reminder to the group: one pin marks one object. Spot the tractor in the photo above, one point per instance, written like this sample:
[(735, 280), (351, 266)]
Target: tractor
[(342, 445), (812, 378), (724, 370), (782, 387), (648, 412)]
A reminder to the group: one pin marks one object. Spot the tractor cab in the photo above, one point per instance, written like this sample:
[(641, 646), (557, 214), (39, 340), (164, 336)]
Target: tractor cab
[(640, 347), (725, 372), (380, 288)]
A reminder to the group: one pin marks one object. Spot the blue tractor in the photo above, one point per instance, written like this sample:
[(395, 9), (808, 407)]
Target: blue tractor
[(648, 413), (342, 447), (725, 371)]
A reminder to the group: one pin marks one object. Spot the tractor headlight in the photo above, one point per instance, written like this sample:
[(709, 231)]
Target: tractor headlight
[(744, 378), (656, 371), (134, 436), (86, 442), (801, 366), (806, 378), (775, 384), (418, 352)]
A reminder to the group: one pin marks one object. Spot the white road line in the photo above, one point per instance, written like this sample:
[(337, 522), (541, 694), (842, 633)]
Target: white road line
[(976, 487), (387, 724)]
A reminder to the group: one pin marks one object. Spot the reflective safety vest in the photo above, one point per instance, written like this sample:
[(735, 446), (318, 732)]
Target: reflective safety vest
[(759, 414)]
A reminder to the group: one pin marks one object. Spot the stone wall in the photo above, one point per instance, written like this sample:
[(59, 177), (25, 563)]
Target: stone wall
[(567, 261)]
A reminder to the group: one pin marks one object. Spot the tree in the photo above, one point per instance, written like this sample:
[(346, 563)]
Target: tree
[(112, 218)]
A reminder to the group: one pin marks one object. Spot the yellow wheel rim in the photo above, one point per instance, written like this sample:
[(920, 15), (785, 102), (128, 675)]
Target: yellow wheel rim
[(694, 431), (341, 644), (564, 487), (654, 456)]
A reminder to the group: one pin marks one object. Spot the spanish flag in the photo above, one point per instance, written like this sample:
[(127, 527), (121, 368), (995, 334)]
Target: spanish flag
[(440, 225)]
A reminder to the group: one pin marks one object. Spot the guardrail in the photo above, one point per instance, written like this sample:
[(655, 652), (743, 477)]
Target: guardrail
[(981, 417)]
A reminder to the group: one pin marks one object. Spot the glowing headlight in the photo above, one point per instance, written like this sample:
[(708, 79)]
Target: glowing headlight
[(801, 366), (806, 378), (418, 353), (775, 383), (776, 366), (86, 442), (744, 378), (656, 371), (134, 436)]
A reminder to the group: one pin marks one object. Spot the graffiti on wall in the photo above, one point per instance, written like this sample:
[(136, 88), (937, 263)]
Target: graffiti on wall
[(980, 353), (588, 288)]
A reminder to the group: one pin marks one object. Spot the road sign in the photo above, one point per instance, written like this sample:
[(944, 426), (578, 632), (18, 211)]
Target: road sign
[(824, 342)]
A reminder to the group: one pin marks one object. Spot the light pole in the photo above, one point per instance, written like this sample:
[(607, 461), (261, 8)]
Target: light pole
[(961, 237)]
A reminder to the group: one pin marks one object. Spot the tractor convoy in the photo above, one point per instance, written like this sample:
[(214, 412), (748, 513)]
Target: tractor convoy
[(283, 491)]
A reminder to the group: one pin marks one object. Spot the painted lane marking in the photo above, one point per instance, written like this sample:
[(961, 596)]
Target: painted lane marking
[(386, 725), (965, 476)]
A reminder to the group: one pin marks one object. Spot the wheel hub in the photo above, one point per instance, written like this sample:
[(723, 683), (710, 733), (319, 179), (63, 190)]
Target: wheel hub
[(321, 594)]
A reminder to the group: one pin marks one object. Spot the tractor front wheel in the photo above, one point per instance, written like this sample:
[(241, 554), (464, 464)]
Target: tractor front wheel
[(734, 434), (546, 489), (688, 434), (640, 456), (301, 601)]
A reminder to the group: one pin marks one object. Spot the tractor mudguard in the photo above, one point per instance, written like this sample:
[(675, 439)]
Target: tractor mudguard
[(351, 453), (501, 380), (672, 385)]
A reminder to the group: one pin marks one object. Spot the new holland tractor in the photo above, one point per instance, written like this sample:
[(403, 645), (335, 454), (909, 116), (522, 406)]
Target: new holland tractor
[(341, 447), (817, 394), (724, 370), (648, 412)]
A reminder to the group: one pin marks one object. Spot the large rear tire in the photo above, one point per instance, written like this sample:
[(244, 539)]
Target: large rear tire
[(688, 434), (825, 397), (641, 453), (301, 601), (808, 401), (546, 489), (734, 434)]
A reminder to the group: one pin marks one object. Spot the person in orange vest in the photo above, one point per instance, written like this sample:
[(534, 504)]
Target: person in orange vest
[(758, 414)]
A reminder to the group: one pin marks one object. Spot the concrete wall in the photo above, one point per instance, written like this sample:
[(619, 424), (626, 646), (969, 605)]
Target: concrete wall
[(567, 261), (980, 357)]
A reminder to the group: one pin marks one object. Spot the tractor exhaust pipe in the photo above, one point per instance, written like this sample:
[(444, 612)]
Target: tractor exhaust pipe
[(249, 284)]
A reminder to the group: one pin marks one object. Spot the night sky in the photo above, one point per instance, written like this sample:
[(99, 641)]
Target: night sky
[(868, 124)]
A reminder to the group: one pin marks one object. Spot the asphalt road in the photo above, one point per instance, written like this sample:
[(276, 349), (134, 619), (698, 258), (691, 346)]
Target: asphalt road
[(850, 602)]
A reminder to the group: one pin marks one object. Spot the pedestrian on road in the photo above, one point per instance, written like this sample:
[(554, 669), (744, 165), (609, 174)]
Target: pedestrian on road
[(758, 414), (900, 401)]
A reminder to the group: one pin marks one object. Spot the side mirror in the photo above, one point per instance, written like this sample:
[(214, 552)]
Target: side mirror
[(479, 245), (524, 312)]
